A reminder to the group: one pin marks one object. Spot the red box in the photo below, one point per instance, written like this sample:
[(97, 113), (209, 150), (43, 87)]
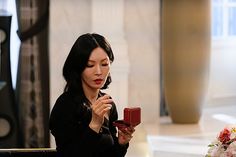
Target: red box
[(132, 116)]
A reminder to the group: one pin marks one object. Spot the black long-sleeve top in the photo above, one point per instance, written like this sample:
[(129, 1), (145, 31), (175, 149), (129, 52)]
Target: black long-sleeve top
[(69, 124)]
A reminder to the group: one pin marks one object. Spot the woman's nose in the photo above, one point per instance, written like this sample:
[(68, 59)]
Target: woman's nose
[(98, 70)]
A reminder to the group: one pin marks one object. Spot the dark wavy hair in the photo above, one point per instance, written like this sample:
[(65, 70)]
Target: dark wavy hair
[(77, 60)]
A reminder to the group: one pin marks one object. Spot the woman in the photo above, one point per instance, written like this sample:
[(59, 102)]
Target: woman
[(82, 118)]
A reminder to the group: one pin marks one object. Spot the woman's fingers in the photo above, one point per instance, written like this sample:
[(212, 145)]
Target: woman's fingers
[(124, 136), (102, 100), (102, 105), (129, 131), (103, 109)]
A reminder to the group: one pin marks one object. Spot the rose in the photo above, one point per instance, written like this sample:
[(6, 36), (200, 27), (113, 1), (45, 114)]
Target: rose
[(224, 136)]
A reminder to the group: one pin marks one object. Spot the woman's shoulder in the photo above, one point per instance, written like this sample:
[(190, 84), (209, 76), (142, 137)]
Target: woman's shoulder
[(64, 96), (63, 102)]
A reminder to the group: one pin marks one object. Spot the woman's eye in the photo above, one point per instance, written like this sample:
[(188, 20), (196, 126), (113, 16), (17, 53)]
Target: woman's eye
[(89, 65), (105, 64)]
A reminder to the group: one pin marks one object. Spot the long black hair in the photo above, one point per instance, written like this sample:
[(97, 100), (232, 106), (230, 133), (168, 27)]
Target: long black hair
[(77, 60)]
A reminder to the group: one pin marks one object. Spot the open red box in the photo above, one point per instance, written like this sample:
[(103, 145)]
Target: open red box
[(132, 117)]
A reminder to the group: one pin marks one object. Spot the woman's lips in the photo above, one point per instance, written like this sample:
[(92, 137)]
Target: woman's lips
[(98, 81)]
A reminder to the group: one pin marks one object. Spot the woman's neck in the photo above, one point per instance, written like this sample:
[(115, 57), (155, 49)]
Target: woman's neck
[(91, 95)]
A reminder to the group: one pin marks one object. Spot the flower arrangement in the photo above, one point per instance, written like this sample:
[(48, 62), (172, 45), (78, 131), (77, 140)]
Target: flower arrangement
[(224, 145)]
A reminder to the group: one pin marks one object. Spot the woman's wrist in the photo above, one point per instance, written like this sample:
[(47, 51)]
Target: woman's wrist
[(95, 127)]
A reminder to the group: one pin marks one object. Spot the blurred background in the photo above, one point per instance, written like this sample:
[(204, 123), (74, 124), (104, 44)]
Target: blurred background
[(36, 36)]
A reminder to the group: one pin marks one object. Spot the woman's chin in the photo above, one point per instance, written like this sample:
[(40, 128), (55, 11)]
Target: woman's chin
[(98, 86)]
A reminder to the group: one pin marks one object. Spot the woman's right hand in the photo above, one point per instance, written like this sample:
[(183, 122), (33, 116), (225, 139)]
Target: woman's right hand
[(99, 109)]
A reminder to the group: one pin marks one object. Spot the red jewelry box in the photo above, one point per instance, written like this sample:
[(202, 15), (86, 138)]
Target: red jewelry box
[(132, 117)]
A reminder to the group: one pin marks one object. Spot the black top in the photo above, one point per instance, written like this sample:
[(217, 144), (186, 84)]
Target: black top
[(69, 124)]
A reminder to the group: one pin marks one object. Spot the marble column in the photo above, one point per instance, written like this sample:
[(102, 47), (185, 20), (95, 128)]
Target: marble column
[(186, 57), (108, 20)]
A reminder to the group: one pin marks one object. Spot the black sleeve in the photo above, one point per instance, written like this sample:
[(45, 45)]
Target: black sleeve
[(71, 133)]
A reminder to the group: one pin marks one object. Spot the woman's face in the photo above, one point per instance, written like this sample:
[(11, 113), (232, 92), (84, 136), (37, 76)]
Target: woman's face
[(98, 67)]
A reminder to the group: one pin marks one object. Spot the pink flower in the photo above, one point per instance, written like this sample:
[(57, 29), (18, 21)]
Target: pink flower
[(231, 150), (224, 145)]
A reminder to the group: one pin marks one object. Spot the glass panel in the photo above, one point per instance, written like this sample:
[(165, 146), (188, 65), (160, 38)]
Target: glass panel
[(217, 21), (232, 21)]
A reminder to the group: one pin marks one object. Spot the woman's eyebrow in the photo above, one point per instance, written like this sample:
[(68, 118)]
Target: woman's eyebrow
[(105, 59)]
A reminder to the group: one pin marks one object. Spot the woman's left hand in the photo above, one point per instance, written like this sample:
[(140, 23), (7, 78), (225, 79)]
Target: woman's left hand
[(125, 135)]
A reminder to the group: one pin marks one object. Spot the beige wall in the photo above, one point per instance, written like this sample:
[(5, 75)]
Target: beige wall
[(67, 22), (142, 31)]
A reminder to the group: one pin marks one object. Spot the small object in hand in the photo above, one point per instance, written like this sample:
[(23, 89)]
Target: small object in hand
[(132, 117), (120, 124)]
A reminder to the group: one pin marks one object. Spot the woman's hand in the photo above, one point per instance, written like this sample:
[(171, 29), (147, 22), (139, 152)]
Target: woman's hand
[(99, 108), (125, 135)]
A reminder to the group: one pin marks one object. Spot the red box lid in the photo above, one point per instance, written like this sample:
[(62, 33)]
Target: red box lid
[(132, 116)]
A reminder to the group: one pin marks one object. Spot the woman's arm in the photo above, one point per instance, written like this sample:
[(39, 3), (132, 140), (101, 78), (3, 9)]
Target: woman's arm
[(69, 125)]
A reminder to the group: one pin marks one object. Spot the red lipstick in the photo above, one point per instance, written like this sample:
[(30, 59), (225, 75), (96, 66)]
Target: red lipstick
[(98, 81)]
